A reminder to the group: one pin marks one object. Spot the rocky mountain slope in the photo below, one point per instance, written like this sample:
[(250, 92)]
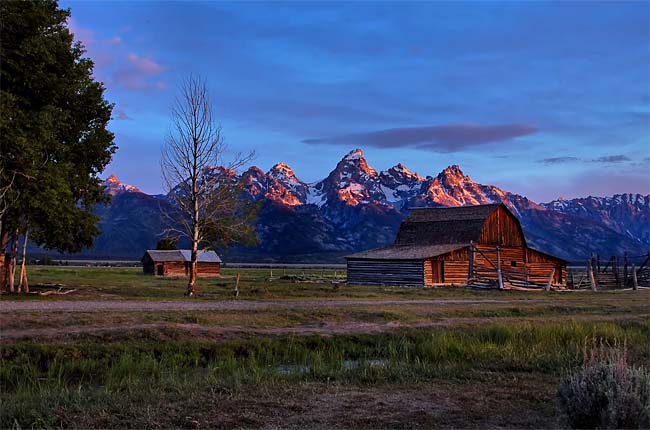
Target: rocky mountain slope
[(355, 208)]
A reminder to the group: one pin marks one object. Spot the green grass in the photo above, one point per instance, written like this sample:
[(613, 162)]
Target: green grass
[(502, 353), (42, 383), (131, 284)]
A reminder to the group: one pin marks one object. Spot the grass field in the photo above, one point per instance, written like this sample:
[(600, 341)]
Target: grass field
[(126, 350)]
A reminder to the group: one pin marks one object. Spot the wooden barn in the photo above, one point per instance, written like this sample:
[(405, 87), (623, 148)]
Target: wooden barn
[(458, 245), (177, 263)]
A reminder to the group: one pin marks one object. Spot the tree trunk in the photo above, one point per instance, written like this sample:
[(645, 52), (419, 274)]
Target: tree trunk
[(4, 240), (12, 261), (191, 285), (22, 282)]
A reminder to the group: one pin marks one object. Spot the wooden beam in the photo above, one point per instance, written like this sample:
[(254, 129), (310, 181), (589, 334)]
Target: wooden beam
[(500, 279), (592, 280), (550, 280), (470, 270), (635, 284)]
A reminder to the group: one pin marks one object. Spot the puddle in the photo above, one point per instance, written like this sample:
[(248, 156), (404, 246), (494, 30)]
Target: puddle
[(375, 362), (289, 369)]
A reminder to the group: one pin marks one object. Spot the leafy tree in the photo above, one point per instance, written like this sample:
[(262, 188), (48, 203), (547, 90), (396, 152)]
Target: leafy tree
[(53, 123), (167, 243), (210, 208)]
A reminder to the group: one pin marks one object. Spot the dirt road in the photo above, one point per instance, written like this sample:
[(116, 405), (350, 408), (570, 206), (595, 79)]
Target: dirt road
[(230, 305)]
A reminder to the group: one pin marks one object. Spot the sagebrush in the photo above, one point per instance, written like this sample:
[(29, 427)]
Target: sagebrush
[(605, 392)]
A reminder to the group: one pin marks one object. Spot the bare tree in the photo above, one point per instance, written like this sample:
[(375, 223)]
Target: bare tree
[(209, 205)]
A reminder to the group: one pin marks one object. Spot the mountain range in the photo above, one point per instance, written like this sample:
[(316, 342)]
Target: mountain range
[(356, 208)]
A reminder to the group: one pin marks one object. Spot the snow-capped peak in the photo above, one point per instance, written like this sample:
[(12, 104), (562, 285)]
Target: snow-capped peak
[(282, 172), (355, 154), (355, 160), (402, 170), (114, 186), (454, 171)]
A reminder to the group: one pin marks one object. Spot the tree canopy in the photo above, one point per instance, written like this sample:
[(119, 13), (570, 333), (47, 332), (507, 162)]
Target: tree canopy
[(53, 128)]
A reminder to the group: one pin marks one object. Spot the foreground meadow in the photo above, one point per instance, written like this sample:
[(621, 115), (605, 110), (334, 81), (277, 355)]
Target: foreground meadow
[(125, 350)]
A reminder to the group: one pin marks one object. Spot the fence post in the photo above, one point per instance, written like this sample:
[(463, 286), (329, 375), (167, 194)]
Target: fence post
[(550, 279), (597, 266), (592, 280), (635, 284), (625, 270), (470, 270), (499, 278), (237, 285), (615, 267)]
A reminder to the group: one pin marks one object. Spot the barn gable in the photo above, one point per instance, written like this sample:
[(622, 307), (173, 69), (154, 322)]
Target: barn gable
[(489, 224)]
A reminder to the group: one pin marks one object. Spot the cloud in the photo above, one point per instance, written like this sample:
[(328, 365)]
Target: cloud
[(611, 159), (120, 114), (139, 73), (144, 65), (607, 159), (440, 138), (558, 160), (117, 40)]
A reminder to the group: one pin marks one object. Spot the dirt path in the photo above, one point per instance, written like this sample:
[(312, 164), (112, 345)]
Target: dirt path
[(230, 305), (238, 331)]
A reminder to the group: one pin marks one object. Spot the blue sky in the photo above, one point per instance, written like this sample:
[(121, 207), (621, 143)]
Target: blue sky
[(540, 98)]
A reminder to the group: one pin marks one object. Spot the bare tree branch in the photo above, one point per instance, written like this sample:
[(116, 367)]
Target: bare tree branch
[(207, 198)]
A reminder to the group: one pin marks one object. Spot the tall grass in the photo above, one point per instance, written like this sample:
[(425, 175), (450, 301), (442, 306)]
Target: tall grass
[(38, 379)]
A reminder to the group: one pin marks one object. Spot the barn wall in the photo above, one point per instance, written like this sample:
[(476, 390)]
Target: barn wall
[(147, 265), (528, 263), (540, 266), (502, 228), (206, 270), (386, 272), (174, 268), (451, 268), (429, 273)]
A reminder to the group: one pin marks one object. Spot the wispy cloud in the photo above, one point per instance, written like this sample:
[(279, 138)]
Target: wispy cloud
[(120, 114), (611, 159), (606, 159), (558, 160), (144, 65), (139, 73), (440, 138)]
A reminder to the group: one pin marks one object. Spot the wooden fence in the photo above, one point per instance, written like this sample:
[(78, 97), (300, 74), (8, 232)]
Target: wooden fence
[(613, 273), (498, 275)]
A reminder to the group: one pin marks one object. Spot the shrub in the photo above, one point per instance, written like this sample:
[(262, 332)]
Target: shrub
[(605, 392)]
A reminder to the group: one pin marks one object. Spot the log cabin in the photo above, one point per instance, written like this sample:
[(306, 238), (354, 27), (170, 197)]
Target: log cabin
[(458, 246), (177, 263)]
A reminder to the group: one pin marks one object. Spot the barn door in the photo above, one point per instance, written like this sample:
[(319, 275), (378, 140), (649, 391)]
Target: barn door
[(438, 271), (160, 271)]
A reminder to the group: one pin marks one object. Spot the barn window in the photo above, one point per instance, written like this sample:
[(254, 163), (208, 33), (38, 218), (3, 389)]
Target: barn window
[(513, 263)]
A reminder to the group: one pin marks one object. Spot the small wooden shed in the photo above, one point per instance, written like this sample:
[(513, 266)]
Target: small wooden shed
[(457, 245), (177, 263)]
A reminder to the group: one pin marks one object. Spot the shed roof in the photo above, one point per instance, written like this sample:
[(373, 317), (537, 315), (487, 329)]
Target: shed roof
[(444, 226), (204, 256), (397, 252)]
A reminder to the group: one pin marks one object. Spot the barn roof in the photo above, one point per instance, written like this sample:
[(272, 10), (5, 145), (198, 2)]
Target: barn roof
[(397, 252), (205, 256), (444, 226)]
